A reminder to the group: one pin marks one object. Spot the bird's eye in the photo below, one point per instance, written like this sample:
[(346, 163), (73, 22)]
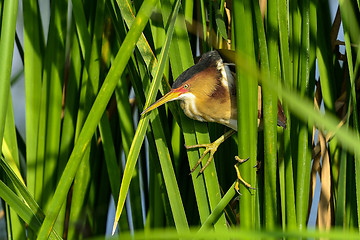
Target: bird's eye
[(186, 86)]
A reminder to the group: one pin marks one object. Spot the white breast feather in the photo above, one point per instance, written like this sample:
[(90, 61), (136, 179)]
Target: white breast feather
[(227, 77), (189, 106)]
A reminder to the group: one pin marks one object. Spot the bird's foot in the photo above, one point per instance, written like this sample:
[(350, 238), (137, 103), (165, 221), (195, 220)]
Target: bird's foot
[(210, 148), (239, 178), (258, 166)]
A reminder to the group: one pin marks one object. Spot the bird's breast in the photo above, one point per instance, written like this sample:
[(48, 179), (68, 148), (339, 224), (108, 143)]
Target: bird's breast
[(208, 111), (190, 109)]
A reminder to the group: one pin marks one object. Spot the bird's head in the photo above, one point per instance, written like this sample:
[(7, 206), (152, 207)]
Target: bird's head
[(198, 81)]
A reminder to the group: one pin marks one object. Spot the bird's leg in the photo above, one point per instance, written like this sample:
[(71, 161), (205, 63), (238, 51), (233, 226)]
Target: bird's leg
[(209, 148), (239, 178)]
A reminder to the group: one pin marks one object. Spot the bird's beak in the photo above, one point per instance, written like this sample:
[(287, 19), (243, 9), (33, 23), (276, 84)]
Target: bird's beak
[(170, 96)]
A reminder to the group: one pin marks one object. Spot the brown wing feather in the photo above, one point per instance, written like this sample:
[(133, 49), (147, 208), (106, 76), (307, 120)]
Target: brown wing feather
[(281, 118)]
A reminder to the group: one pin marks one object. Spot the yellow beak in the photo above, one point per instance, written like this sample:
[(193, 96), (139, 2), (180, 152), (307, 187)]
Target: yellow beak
[(170, 96)]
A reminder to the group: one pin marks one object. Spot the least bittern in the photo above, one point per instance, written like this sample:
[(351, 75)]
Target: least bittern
[(207, 92)]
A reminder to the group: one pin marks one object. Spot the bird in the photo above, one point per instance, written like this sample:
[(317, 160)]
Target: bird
[(207, 93)]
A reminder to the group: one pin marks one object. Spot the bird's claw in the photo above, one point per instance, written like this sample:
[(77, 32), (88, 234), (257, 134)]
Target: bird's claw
[(240, 160), (257, 166), (239, 178), (210, 148)]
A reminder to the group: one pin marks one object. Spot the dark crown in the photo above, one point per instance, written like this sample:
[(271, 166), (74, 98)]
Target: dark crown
[(209, 59)]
